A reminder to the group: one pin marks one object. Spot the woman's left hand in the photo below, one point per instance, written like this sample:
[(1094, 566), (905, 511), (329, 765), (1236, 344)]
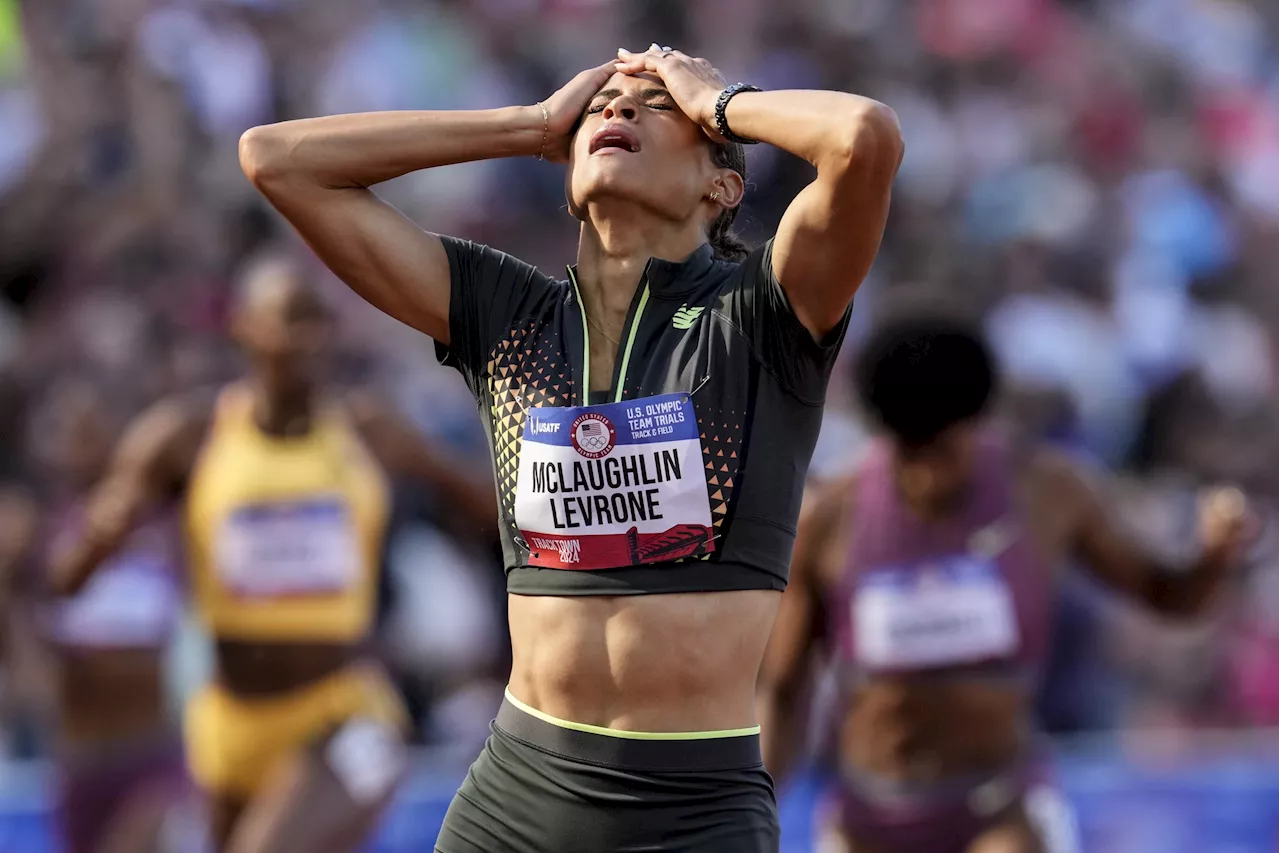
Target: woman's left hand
[(693, 83)]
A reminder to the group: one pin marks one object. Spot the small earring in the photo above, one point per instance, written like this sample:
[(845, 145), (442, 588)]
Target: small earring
[(714, 196)]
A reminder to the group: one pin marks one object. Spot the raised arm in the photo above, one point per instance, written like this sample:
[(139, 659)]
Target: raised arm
[(800, 629), (153, 458), (317, 174), (470, 496), (1116, 559), (831, 232)]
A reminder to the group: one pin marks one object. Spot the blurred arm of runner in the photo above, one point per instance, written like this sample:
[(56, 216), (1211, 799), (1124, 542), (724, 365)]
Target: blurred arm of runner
[(317, 173), (152, 459), (1117, 560), (400, 447), (800, 629), (19, 519), (829, 235)]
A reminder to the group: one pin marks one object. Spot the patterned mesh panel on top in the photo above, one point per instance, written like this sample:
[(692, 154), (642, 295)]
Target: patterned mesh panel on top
[(720, 445), (521, 376)]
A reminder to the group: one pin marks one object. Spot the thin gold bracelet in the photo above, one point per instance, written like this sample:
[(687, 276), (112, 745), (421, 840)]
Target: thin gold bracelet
[(546, 125)]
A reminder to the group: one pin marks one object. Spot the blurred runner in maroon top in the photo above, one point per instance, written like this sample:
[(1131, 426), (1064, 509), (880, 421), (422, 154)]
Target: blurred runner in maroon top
[(928, 575)]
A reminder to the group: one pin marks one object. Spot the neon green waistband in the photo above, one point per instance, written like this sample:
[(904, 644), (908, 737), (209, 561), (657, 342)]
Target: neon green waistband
[(623, 733)]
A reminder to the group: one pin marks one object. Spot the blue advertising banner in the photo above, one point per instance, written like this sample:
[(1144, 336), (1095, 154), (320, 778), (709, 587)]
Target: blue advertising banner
[(1224, 802)]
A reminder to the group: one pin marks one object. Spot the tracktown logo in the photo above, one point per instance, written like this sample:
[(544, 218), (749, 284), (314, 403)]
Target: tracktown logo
[(570, 550)]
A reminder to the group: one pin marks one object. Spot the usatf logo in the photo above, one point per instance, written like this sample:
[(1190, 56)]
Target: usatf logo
[(686, 317), (592, 435)]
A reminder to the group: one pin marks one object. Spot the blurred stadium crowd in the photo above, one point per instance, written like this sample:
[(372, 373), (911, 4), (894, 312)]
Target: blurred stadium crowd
[(1099, 177)]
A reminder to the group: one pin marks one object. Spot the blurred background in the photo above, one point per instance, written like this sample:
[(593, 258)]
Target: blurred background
[(1098, 176)]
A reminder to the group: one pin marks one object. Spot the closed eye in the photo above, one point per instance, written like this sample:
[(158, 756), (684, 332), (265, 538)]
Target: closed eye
[(600, 108)]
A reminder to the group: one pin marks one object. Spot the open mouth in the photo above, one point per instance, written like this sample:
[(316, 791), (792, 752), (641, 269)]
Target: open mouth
[(614, 136)]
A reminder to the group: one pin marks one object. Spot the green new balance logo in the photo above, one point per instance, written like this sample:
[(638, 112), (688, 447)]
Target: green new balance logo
[(686, 317)]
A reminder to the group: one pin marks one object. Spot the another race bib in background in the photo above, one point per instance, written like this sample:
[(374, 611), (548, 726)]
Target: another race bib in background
[(952, 611), (132, 602), (601, 487), (305, 547)]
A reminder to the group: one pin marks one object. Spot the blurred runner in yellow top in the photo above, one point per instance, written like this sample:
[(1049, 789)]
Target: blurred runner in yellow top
[(299, 739)]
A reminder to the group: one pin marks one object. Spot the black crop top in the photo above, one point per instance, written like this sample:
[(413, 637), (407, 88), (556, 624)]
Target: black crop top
[(689, 478)]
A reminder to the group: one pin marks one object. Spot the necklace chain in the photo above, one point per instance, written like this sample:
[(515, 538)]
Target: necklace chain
[(596, 325)]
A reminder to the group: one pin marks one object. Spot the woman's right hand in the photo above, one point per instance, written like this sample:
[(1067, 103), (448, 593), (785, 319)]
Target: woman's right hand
[(566, 106)]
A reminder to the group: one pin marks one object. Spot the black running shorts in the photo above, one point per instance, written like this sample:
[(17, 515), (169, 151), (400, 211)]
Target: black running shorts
[(539, 787)]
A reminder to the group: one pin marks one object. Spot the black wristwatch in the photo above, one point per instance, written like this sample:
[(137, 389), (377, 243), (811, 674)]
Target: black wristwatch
[(722, 126)]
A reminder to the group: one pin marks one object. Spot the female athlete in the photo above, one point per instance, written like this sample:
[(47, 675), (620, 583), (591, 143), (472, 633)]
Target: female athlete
[(927, 578), (119, 759), (652, 419), (298, 740)]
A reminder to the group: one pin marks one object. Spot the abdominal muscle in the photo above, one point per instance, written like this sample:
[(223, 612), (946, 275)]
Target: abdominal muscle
[(684, 662), (921, 729)]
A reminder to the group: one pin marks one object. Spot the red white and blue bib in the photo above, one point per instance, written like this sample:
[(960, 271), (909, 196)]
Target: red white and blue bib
[(619, 484)]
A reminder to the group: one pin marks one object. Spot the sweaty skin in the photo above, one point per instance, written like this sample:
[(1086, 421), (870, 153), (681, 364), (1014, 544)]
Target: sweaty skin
[(915, 728), (677, 662)]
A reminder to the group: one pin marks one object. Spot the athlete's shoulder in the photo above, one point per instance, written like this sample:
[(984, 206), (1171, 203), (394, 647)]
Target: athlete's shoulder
[(478, 263)]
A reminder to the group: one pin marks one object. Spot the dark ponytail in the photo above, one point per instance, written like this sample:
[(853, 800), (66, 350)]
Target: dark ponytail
[(727, 245)]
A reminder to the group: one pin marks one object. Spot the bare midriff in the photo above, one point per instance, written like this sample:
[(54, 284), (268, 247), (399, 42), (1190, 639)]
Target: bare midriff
[(260, 669), (684, 662), (108, 695), (917, 729)]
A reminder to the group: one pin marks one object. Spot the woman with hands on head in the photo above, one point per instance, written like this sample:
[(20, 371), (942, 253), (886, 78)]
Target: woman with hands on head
[(652, 419)]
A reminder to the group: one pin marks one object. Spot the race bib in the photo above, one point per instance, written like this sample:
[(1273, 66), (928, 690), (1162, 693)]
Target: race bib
[(288, 549), (600, 487), (130, 603), (957, 610)]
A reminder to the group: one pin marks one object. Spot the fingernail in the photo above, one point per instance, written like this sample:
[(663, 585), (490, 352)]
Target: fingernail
[(624, 50)]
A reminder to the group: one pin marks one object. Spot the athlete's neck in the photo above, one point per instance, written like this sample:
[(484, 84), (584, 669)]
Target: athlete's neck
[(930, 506), (280, 412), (616, 243)]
